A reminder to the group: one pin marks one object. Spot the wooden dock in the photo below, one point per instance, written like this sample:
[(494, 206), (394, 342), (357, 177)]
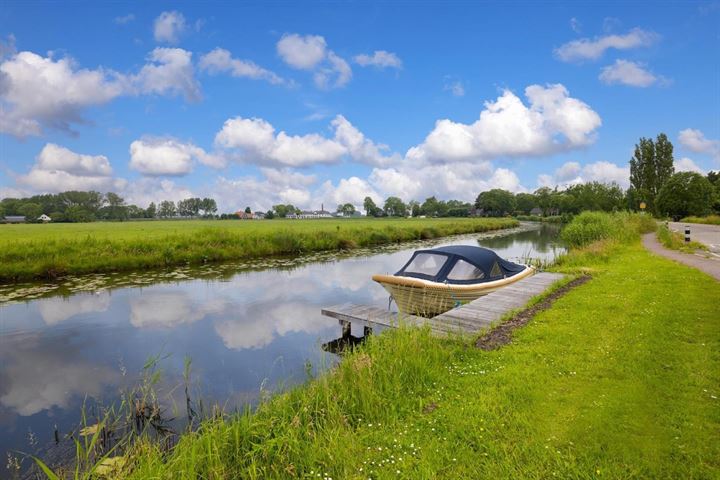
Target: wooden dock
[(470, 318)]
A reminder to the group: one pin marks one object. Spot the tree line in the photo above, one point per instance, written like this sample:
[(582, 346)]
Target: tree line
[(77, 206)]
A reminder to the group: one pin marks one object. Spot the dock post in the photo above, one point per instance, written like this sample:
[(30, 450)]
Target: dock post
[(346, 328), (687, 233)]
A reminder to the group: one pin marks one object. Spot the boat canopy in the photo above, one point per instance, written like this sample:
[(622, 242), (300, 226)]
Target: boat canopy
[(459, 264)]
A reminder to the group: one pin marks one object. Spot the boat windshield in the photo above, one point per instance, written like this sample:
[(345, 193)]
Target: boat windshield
[(463, 270), (426, 264)]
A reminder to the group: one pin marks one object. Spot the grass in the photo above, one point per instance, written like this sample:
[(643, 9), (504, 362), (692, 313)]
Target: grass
[(676, 241), (620, 378), (53, 250), (710, 220)]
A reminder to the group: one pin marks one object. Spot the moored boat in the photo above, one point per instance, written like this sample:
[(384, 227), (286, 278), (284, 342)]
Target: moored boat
[(436, 280)]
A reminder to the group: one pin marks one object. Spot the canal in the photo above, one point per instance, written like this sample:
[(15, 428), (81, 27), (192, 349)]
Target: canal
[(248, 329)]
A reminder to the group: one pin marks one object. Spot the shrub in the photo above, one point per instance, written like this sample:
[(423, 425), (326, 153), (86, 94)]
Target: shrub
[(589, 227)]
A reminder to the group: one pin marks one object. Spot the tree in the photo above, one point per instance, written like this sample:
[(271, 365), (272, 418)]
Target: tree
[(543, 196), (685, 193), (151, 210), (116, 209), (650, 167), (414, 207), (524, 202), (346, 209), (247, 210), (167, 209), (208, 206), (371, 210), (395, 207), (433, 208), (496, 202), (31, 211), (77, 213), (284, 210), (269, 215)]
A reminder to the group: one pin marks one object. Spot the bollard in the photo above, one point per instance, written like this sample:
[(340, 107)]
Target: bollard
[(687, 234)]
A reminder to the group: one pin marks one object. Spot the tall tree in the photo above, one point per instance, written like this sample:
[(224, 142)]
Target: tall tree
[(496, 202), (167, 209), (346, 209), (650, 167), (208, 206), (151, 210), (116, 206), (371, 210), (395, 207)]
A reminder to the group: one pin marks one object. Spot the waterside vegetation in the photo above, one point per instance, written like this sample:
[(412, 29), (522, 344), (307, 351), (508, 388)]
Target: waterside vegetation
[(50, 251), (610, 382)]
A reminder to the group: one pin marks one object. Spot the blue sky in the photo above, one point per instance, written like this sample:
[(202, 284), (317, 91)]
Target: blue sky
[(309, 103)]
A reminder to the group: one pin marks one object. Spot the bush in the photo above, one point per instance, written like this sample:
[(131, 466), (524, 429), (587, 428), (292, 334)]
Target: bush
[(589, 227)]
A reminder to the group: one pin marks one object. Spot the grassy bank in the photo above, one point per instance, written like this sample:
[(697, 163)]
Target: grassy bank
[(49, 251), (676, 241), (620, 378), (709, 220)]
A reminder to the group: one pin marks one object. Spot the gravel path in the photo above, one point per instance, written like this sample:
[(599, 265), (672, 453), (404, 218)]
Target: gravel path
[(707, 264)]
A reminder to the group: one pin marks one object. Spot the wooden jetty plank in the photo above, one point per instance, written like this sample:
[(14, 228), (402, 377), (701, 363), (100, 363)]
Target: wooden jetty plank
[(470, 318)]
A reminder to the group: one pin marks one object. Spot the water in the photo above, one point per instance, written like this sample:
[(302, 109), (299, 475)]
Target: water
[(245, 331)]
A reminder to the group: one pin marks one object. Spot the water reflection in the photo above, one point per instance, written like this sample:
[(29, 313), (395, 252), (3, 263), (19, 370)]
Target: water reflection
[(242, 330)]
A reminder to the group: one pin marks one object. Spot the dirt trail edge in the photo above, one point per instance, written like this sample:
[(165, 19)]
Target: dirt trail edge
[(502, 333)]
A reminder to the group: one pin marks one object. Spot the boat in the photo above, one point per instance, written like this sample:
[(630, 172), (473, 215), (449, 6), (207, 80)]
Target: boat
[(436, 280)]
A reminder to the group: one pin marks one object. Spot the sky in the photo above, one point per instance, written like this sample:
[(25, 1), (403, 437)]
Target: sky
[(256, 104)]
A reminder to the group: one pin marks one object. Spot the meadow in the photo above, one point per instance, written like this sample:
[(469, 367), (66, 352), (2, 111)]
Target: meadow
[(47, 251), (617, 379)]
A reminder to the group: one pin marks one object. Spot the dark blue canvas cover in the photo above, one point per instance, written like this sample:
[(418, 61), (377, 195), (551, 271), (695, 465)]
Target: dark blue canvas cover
[(480, 257)]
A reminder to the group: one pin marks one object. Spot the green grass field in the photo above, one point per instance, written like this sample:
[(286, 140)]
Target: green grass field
[(620, 378), (53, 250)]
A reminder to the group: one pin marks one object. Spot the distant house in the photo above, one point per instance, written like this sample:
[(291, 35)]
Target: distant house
[(44, 218), (242, 215), (292, 216), (259, 216), (14, 219), (306, 214), (536, 211)]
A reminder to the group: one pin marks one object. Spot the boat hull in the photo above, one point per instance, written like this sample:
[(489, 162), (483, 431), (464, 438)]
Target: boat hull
[(415, 296)]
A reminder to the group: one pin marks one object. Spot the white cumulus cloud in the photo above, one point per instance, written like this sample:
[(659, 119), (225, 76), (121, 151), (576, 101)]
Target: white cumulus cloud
[(628, 73), (38, 92), (379, 59), (572, 173), (686, 164), (169, 71), (221, 61), (58, 169), (169, 26), (310, 52), (552, 122), (302, 52), (168, 156), (592, 49), (695, 141)]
